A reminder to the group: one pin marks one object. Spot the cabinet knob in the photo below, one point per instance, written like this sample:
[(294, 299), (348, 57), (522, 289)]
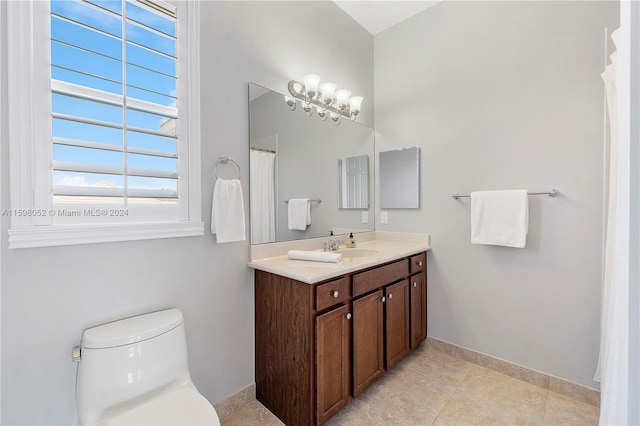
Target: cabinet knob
[(415, 284), (349, 316), (419, 263), (335, 293), (384, 299), (390, 295)]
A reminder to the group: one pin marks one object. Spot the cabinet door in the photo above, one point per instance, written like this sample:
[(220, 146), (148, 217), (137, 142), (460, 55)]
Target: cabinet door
[(368, 341), (397, 322), (333, 362), (418, 309)]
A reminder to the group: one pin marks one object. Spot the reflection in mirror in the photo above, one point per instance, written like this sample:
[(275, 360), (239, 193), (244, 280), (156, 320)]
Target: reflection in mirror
[(301, 157), (400, 179), (262, 183), (354, 182)]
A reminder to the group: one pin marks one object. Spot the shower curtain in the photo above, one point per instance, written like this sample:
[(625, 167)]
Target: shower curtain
[(263, 218), (613, 365)]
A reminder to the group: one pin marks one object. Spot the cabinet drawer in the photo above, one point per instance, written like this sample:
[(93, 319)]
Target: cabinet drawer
[(378, 277), (332, 293), (418, 263)]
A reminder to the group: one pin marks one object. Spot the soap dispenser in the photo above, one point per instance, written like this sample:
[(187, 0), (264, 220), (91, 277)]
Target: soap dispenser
[(352, 241)]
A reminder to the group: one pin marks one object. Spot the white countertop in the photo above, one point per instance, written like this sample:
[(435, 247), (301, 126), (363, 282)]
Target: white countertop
[(313, 272)]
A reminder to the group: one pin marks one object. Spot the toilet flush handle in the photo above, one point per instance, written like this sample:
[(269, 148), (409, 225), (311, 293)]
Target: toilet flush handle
[(76, 354)]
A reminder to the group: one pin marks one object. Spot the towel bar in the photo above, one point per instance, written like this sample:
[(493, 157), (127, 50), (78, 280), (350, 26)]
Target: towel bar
[(552, 193), (311, 201)]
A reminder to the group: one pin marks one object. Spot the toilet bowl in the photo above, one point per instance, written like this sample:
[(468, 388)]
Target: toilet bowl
[(135, 371)]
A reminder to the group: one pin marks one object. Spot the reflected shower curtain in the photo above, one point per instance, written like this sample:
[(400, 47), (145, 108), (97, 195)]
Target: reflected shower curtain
[(613, 365), (263, 218)]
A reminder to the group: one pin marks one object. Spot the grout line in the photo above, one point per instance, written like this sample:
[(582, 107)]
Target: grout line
[(450, 396)]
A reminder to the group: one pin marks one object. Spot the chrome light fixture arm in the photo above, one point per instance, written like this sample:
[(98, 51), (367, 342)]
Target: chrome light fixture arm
[(301, 95)]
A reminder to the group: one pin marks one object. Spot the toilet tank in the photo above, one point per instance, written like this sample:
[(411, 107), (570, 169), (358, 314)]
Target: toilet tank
[(128, 360)]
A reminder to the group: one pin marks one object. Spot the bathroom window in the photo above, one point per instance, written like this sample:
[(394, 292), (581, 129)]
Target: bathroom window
[(105, 129)]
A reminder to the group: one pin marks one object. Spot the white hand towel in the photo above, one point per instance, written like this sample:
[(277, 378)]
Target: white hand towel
[(227, 211), (299, 214), (500, 218), (314, 256)]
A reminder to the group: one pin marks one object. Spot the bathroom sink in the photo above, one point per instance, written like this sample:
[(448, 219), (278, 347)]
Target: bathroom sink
[(357, 252)]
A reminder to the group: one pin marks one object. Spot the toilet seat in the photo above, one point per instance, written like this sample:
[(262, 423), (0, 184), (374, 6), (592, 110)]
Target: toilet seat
[(182, 406)]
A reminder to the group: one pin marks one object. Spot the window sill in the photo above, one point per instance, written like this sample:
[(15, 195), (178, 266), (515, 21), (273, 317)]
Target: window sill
[(62, 235)]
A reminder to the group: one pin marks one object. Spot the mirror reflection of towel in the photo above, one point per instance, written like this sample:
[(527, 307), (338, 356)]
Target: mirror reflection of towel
[(299, 214), (227, 211)]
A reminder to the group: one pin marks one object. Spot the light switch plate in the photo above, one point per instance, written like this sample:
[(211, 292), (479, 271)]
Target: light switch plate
[(365, 217), (384, 218)]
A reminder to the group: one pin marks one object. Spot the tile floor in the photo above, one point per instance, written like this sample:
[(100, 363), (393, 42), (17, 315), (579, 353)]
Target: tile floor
[(432, 388)]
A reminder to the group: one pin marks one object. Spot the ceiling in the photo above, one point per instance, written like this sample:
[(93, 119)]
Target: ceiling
[(378, 15)]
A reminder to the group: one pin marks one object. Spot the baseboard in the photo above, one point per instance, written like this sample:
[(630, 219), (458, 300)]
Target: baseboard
[(235, 401), (545, 381)]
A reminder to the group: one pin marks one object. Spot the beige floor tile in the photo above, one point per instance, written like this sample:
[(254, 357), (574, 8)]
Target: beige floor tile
[(440, 365), (251, 414), (566, 411), (468, 409), (517, 402), (414, 397), (432, 387), (493, 385)]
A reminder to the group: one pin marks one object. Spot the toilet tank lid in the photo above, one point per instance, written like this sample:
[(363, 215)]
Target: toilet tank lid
[(131, 330)]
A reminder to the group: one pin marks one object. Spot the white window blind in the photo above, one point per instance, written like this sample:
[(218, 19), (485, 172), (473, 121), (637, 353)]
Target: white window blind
[(114, 102), (104, 122)]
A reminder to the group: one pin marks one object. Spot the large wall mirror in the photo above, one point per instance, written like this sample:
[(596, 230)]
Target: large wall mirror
[(295, 156)]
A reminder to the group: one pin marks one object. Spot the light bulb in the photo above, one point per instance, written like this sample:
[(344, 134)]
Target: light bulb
[(342, 98), (327, 91), (354, 103), (311, 84)]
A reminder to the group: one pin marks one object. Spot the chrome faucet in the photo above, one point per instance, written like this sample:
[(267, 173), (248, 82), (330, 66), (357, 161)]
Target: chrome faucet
[(332, 245)]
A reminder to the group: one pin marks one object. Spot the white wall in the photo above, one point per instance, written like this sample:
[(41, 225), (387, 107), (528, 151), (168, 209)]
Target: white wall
[(50, 295), (504, 95)]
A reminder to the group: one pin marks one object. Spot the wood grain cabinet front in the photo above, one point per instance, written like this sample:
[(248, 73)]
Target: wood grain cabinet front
[(418, 288), (368, 340), (318, 346), (418, 263), (332, 293), (397, 322), (333, 362)]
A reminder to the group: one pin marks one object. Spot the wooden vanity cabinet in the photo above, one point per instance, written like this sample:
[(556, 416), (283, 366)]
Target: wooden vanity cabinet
[(396, 322), (418, 289), (320, 345), (368, 340), (333, 362)]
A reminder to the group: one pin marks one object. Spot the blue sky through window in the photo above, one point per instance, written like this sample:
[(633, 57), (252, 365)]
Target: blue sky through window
[(87, 49)]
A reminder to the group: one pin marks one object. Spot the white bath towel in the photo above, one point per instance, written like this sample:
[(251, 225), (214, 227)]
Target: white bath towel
[(299, 213), (227, 211), (314, 256), (500, 218)]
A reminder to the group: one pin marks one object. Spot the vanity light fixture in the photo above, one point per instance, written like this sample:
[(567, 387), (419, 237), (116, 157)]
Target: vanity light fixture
[(328, 100)]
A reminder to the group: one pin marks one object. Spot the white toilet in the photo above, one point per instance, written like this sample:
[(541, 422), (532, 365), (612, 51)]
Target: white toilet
[(135, 372)]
